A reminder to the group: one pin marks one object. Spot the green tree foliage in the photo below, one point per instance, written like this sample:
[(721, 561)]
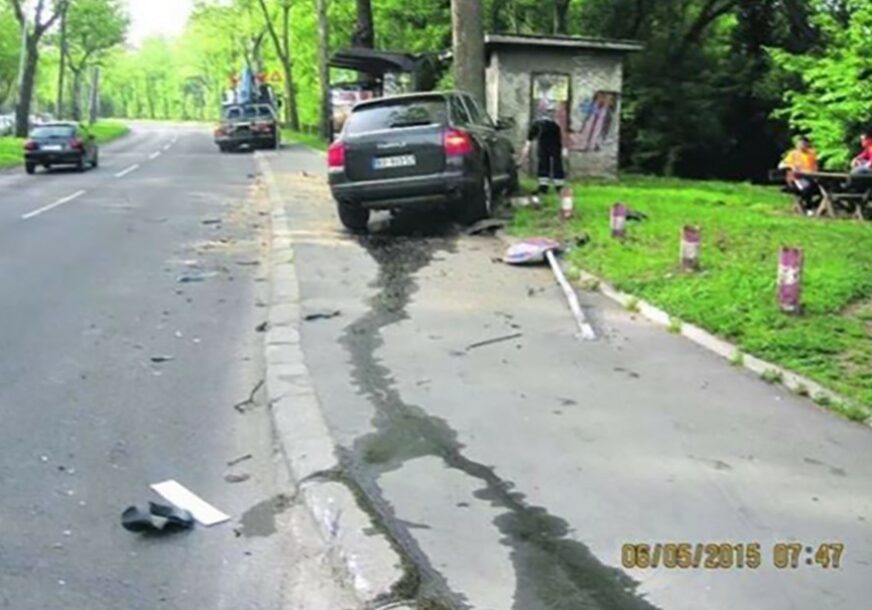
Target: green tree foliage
[(834, 102), (93, 28), (10, 37)]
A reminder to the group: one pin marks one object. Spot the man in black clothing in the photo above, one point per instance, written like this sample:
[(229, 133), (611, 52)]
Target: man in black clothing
[(549, 139)]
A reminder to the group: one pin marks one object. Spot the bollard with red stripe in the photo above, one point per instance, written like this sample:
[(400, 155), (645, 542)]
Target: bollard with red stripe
[(790, 263), (619, 220), (567, 203), (691, 241)]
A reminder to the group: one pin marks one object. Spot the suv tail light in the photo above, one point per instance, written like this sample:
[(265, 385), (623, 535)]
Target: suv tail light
[(31, 145), (336, 157), (77, 144), (263, 127), (220, 131), (456, 143)]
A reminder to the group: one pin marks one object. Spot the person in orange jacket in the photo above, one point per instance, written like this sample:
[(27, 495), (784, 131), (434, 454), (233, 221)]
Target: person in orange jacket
[(801, 160)]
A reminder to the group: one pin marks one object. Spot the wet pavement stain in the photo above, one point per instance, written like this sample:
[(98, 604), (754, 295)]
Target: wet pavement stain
[(259, 521), (552, 571)]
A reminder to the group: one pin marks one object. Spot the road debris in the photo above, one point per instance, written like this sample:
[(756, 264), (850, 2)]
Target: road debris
[(240, 406), (530, 251), (212, 221), (157, 518), (161, 359), (237, 478), (488, 225), (248, 263), (190, 278), (240, 459), (586, 330), (262, 327), (493, 341), (537, 250), (178, 495), (322, 316)]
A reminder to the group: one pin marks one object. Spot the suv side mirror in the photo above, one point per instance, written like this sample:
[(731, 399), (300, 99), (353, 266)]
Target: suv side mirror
[(505, 123)]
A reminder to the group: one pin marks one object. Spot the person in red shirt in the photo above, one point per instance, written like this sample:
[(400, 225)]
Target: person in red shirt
[(862, 163)]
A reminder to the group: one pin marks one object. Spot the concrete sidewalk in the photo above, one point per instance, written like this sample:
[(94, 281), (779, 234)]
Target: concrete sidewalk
[(511, 475)]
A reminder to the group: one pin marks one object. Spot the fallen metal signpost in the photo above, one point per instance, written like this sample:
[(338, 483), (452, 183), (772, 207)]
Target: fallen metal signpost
[(538, 250)]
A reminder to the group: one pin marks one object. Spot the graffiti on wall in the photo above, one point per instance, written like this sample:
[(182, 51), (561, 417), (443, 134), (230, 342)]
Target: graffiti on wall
[(596, 119)]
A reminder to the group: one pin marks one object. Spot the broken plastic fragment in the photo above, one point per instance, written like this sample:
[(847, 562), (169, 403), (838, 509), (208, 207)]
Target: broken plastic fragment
[(158, 518), (322, 316)]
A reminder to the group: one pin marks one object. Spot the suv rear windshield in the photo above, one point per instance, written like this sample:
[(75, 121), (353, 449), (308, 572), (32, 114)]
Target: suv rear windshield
[(53, 131), (398, 114), (248, 112)]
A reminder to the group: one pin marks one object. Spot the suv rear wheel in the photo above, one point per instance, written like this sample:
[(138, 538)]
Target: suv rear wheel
[(354, 217), (479, 203)]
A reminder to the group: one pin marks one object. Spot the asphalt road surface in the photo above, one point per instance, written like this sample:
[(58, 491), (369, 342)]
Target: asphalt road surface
[(512, 474), (129, 301)]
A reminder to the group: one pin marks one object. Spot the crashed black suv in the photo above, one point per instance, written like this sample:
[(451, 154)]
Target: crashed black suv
[(248, 125), (420, 150)]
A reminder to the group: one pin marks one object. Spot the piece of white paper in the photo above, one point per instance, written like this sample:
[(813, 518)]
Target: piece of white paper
[(178, 495)]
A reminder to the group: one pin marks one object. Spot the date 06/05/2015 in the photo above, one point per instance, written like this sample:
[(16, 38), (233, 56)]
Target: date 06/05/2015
[(728, 556)]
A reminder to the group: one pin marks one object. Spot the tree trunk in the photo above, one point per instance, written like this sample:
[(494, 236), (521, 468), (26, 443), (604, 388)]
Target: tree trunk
[(468, 35), (62, 69), (76, 102), (324, 68), (95, 95), (292, 114), (28, 81), (561, 13), (364, 32)]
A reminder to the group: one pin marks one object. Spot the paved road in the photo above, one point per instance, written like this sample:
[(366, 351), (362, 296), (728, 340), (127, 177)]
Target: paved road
[(513, 473), (89, 294)]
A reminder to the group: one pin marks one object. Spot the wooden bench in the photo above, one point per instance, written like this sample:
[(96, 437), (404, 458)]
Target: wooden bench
[(841, 191)]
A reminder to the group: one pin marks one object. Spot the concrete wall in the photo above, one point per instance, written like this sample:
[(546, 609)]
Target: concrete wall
[(509, 75)]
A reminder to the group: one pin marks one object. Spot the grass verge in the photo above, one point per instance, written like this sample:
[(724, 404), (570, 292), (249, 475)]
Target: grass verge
[(307, 139), (11, 149), (733, 296)]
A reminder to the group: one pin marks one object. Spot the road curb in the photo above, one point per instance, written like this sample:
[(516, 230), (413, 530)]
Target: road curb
[(796, 383), (363, 556)]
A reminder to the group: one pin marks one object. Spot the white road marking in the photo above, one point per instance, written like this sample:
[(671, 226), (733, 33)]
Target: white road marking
[(154, 155), (46, 208), (124, 172), (167, 147)]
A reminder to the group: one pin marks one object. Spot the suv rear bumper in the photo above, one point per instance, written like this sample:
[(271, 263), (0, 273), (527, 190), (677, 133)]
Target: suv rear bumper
[(391, 193), (60, 157), (251, 139)]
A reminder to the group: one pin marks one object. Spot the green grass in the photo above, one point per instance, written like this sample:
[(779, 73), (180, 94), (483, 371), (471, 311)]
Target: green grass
[(307, 139), (11, 149), (106, 131), (734, 294)]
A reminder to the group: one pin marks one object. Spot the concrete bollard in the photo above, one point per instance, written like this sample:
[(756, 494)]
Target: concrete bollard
[(619, 220), (567, 203), (790, 262), (691, 240)]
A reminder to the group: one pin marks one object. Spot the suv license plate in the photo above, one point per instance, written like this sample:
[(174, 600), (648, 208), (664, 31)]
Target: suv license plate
[(391, 162)]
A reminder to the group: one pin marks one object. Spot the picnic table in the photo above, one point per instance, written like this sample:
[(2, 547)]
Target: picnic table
[(849, 192)]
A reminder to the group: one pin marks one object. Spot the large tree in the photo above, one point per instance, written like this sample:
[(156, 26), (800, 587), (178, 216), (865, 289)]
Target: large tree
[(364, 31), (468, 34), (284, 50), (44, 18), (93, 28), (323, 68)]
